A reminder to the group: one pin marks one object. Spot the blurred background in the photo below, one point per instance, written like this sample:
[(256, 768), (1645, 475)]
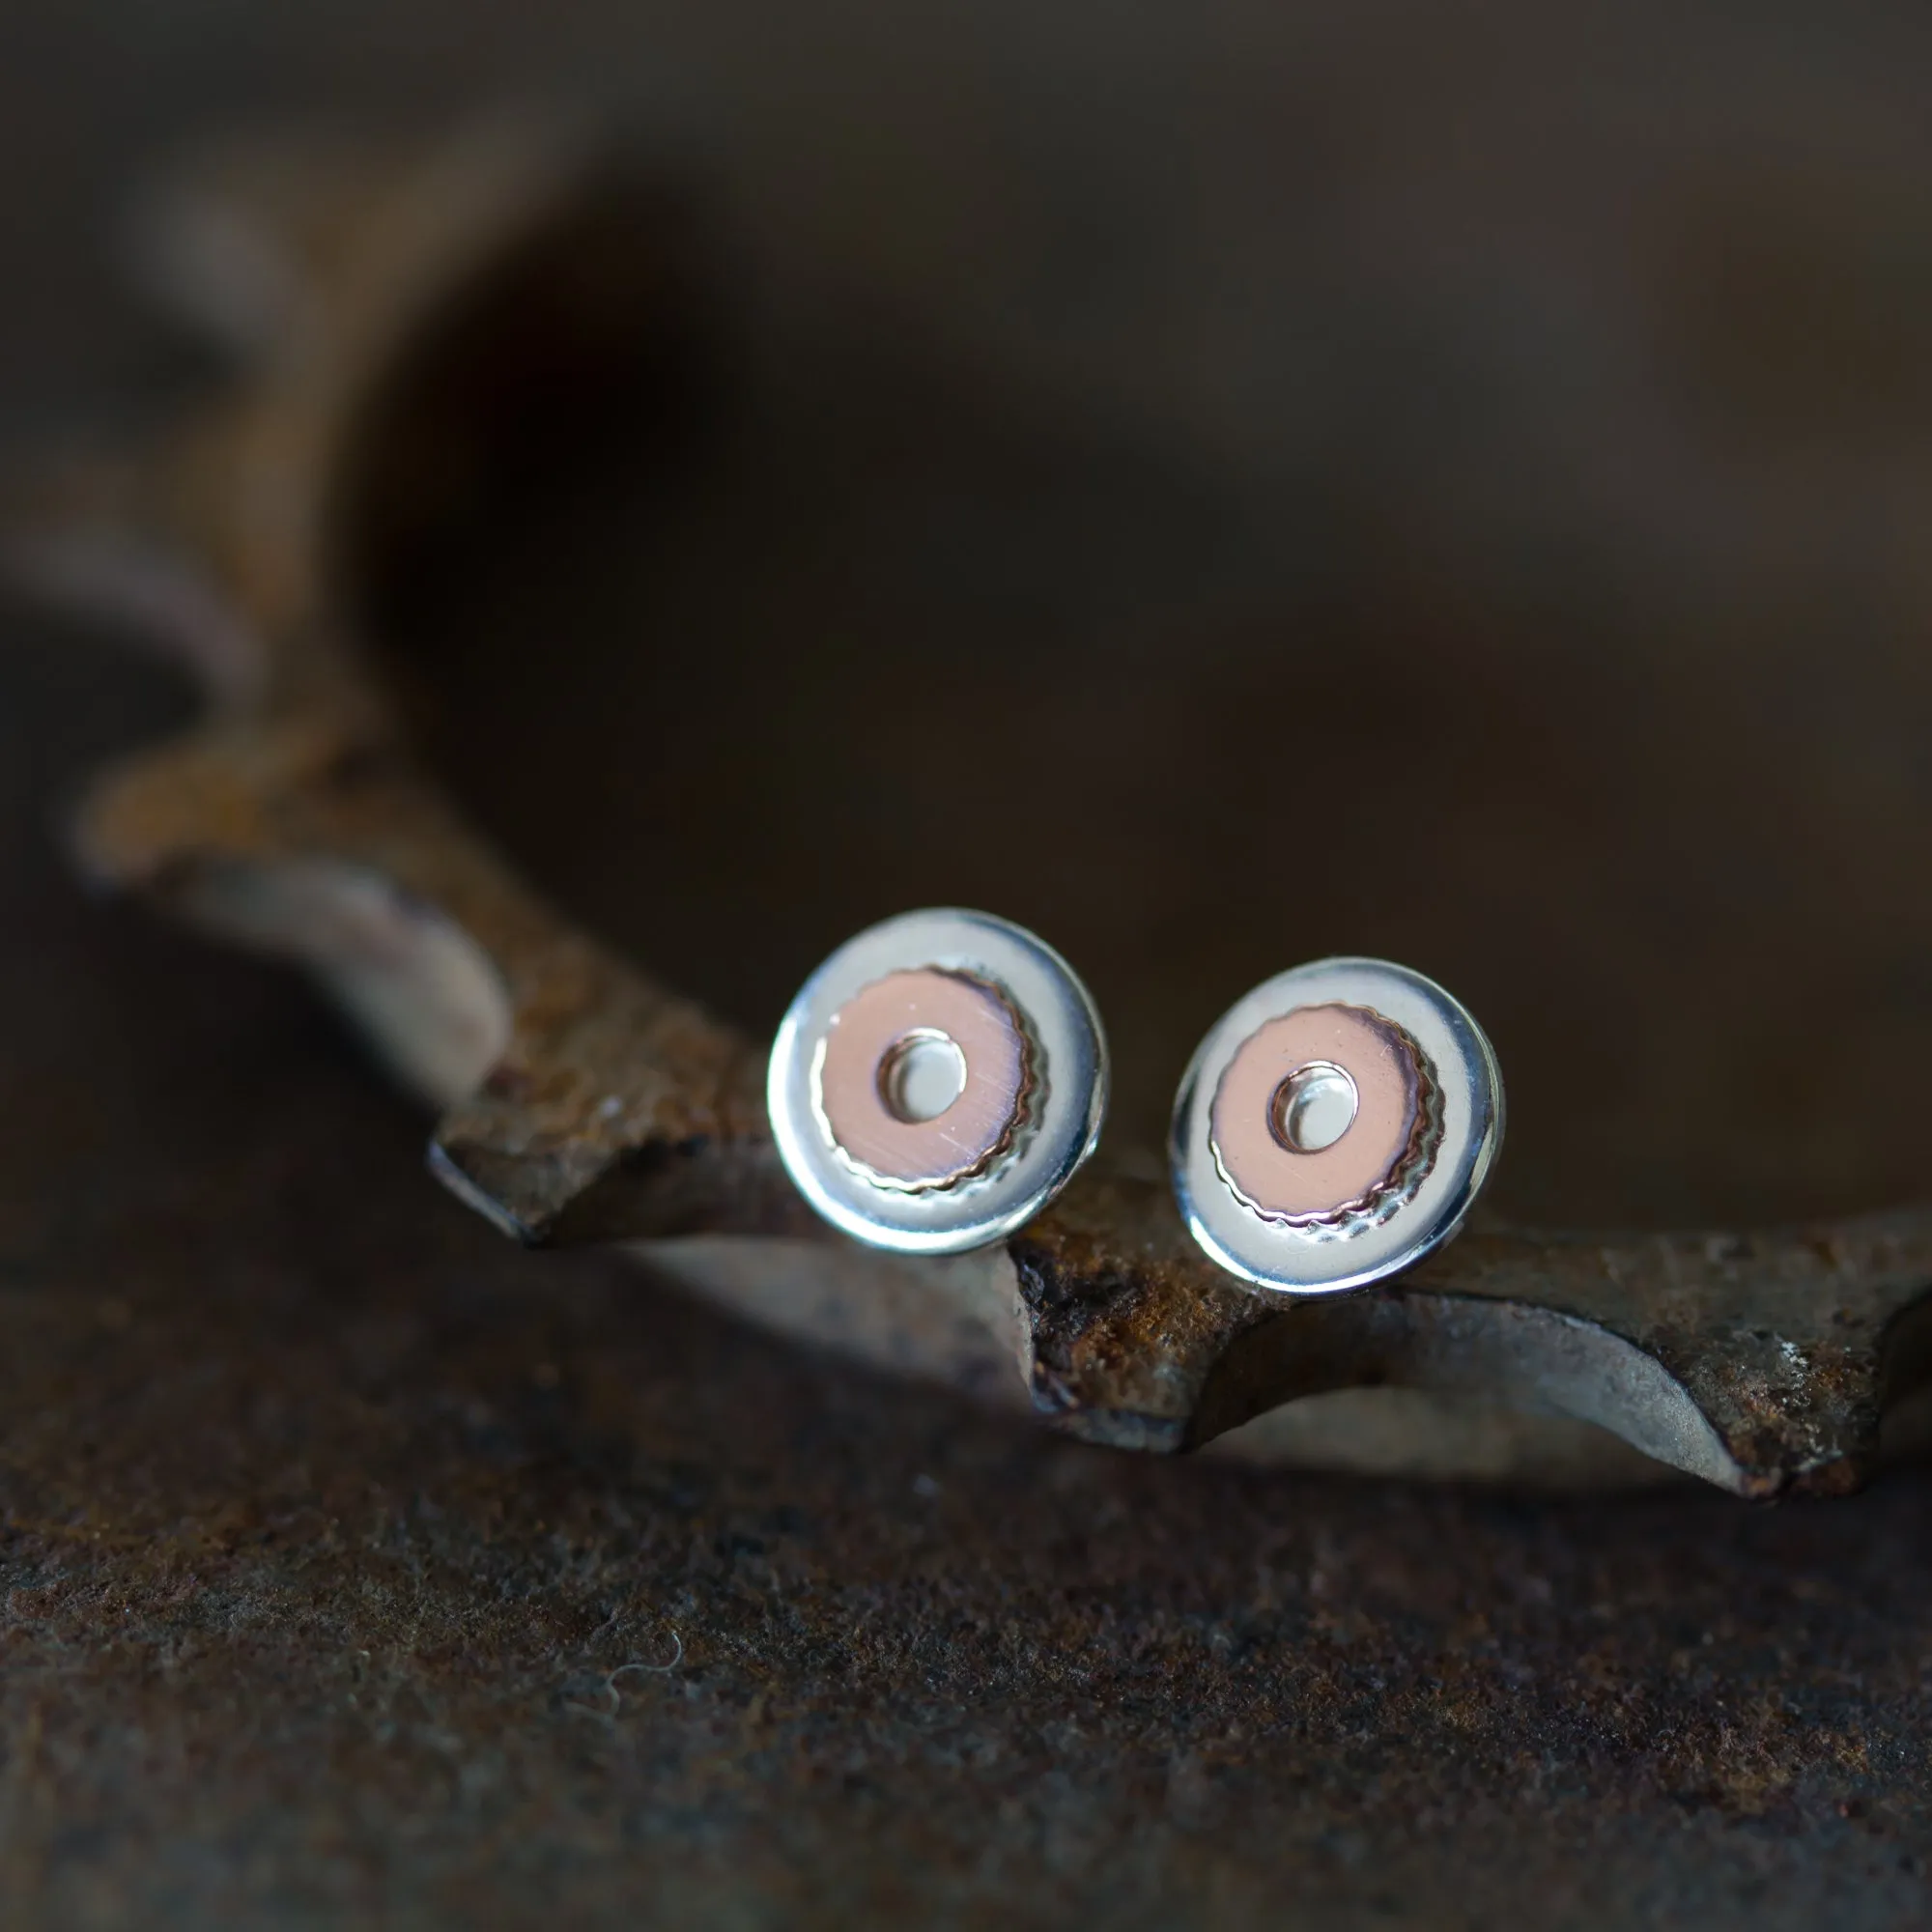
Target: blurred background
[(1221, 485)]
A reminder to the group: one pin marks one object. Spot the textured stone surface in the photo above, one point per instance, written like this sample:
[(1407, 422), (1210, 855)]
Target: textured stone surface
[(346, 1546)]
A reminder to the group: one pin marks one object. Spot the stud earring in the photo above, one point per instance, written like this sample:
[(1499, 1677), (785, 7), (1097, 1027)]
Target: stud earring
[(937, 1081), (1335, 1127)]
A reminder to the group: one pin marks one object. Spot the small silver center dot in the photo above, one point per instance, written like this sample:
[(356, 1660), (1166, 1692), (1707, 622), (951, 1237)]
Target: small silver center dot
[(922, 1076), (1314, 1107)]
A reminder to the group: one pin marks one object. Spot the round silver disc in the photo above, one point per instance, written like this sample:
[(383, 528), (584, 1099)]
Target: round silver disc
[(937, 1081), (1446, 1145)]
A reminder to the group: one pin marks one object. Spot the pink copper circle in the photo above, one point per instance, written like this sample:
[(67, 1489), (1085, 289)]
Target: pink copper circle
[(850, 1078), (1281, 1180)]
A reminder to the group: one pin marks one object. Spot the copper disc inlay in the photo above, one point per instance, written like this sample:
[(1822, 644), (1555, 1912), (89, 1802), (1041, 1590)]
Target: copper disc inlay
[(1279, 1180), (850, 1078)]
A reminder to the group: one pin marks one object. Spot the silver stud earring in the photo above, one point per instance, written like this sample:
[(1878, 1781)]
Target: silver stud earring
[(1335, 1127), (937, 1081)]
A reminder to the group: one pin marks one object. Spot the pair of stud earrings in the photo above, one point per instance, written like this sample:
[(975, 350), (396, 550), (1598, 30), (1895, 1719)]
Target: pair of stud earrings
[(943, 1076)]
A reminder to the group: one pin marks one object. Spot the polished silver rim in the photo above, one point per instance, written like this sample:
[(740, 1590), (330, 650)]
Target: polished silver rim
[(1070, 1065), (1324, 1260)]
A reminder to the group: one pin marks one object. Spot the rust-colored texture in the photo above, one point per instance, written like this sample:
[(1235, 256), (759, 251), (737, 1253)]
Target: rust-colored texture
[(359, 1567)]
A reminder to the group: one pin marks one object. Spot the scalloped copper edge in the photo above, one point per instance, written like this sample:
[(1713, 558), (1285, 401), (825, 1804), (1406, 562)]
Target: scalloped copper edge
[(582, 1102), (1372, 1209), (1020, 1129)]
